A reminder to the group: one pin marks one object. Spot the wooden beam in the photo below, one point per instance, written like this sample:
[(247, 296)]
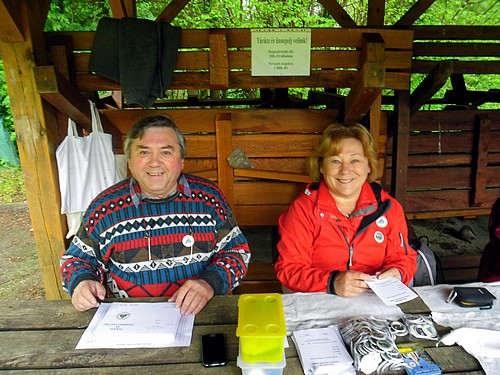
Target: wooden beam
[(338, 13), (430, 85), (224, 142), (370, 80), (480, 160), (459, 89), (172, 10), (271, 175), (378, 132), (54, 88), (123, 8), (61, 56), (10, 27), (57, 90), (400, 147), (376, 12), (455, 32), (219, 63), (414, 12)]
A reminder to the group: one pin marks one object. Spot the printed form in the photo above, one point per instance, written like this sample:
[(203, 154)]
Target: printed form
[(137, 325), (391, 290), (322, 351)]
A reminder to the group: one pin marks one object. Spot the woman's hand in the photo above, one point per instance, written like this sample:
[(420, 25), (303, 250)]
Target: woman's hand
[(351, 283), (394, 272)]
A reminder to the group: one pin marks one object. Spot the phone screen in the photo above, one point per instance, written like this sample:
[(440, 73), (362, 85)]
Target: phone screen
[(213, 350)]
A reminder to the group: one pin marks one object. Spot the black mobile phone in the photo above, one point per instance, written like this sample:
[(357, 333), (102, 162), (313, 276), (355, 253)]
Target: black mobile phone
[(213, 350)]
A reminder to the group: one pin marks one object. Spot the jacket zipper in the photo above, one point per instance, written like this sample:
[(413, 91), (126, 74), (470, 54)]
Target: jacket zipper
[(349, 248)]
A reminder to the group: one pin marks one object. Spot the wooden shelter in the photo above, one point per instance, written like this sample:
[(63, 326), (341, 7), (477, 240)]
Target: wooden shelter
[(436, 163)]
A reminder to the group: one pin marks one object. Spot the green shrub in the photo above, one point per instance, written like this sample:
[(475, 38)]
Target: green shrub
[(12, 188)]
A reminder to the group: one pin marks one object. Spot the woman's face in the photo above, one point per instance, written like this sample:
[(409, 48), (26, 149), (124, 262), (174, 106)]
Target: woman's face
[(346, 172)]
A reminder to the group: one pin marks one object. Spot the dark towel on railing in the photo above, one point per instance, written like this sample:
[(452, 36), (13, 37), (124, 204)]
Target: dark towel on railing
[(139, 54)]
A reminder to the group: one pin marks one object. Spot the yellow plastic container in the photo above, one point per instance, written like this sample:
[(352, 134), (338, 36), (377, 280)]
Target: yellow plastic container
[(261, 327)]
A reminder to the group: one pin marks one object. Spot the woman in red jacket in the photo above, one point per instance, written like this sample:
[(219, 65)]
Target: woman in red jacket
[(343, 229)]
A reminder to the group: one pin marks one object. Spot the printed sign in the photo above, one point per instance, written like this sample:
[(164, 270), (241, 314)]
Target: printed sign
[(281, 52)]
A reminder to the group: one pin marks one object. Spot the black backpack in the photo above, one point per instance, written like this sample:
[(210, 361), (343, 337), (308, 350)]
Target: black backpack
[(429, 269)]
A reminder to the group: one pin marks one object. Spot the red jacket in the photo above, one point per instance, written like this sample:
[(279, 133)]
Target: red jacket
[(316, 239)]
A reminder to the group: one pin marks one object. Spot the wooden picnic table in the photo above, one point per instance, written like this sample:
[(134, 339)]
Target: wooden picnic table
[(39, 337)]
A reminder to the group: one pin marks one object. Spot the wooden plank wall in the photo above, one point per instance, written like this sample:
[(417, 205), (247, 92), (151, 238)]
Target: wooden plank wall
[(453, 163), (277, 142), (335, 56)]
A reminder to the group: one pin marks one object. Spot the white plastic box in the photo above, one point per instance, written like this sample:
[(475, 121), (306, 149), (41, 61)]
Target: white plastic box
[(261, 368)]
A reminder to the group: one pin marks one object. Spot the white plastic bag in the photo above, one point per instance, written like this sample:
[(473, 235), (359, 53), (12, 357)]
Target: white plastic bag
[(86, 166)]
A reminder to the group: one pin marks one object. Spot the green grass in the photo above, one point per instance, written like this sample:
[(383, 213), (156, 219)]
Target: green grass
[(12, 188)]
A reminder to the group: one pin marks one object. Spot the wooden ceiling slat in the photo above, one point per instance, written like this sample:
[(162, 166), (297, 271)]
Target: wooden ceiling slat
[(172, 10), (376, 12), (414, 12), (10, 30), (338, 13), (123, 8)]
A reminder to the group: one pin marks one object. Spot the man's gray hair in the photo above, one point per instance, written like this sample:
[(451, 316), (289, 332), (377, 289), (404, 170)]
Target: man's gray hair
[(140, 127)]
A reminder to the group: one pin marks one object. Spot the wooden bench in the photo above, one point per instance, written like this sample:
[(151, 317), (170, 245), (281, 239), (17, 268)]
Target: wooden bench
[(460, 269)]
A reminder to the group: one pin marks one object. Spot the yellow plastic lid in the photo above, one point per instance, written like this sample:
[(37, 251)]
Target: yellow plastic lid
[(261, 315)]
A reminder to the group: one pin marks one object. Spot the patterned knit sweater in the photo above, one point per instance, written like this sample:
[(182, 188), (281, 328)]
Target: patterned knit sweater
[(134, 244)]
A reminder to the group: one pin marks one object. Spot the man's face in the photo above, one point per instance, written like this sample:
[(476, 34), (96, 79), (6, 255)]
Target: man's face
[(156, 162)]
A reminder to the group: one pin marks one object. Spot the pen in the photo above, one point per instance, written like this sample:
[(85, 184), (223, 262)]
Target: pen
[(451, 297)]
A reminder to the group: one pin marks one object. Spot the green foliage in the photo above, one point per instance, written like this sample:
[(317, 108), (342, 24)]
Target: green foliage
[(76, 15), (5, 112), (12, 188)]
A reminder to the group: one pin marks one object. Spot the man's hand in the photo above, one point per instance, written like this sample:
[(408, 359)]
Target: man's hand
[(351, 283), (87, 295), (192, 297)]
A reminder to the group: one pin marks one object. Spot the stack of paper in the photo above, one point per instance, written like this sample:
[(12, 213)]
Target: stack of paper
[(322, 351), (133, 325)]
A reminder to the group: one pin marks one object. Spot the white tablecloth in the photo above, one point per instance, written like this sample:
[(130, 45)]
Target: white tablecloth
[(315, 310), (477, 331)]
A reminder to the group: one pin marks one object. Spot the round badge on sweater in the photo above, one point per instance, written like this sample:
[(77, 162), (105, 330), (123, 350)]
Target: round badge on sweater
[(188, 240)]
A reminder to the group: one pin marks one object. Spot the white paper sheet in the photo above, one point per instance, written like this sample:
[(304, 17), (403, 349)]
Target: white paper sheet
[(322, 351), (137, 325), (391, 290)]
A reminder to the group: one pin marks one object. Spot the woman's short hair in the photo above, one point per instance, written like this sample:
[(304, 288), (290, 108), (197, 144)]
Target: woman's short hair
[(330, 145), (140, 127)]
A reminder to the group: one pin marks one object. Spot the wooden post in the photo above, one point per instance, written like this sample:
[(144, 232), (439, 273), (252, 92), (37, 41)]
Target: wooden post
[(224, 140), (401, 140), (480, 160), (219, 61), (37, 139)]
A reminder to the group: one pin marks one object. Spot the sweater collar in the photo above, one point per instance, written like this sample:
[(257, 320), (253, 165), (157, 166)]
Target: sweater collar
[(137, 194)]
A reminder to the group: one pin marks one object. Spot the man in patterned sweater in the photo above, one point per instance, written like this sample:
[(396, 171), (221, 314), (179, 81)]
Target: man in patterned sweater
[(158, 233)]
